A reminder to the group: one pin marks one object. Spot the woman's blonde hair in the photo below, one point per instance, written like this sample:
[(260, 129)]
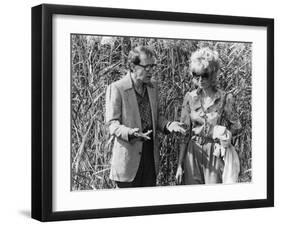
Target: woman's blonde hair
[(205, 60)]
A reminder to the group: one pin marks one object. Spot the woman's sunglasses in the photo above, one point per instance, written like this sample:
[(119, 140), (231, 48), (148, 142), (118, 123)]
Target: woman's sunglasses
[(202, 75)]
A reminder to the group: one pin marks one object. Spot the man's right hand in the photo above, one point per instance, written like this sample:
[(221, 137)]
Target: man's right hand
[(134, 133)]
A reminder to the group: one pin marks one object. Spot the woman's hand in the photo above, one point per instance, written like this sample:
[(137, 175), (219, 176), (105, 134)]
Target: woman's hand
[(225, 140), (223, 134), (179, 175)]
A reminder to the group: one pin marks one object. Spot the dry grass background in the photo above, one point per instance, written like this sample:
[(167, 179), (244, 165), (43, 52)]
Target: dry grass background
[(98, 61)]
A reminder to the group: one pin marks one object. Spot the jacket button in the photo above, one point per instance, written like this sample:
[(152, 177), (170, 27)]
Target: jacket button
[(140, 153)]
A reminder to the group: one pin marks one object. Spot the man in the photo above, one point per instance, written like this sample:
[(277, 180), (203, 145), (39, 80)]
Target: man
[(133, 119)]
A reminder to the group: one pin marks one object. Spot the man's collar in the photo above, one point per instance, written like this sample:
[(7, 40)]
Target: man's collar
[(138, 85), (128, 82)]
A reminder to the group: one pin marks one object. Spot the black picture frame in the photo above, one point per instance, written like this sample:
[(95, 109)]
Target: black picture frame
[(42, 106)]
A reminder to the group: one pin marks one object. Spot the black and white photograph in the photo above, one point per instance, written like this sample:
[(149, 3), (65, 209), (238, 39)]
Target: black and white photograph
[(149, 112)]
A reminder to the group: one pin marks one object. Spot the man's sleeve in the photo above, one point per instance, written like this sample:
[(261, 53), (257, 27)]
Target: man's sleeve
[(162, 122), (113, 113)]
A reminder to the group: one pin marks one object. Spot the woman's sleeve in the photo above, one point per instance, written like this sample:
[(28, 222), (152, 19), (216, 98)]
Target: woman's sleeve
[(231, 114), (185, 118)]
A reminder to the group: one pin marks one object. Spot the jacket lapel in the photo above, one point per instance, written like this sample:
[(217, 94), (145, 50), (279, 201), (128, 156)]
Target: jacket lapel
[(130, 96), (153, 105)]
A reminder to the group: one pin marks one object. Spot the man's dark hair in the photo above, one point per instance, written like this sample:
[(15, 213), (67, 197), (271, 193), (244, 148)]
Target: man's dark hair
[(134, 55)]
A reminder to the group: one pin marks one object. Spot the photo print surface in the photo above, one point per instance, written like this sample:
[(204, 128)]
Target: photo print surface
[(202, 86)]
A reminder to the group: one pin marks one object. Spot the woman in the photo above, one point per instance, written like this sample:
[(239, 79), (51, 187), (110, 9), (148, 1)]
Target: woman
[(206, 154)]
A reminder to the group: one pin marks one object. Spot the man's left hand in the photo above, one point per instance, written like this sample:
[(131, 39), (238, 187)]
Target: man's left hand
[(176, 127)]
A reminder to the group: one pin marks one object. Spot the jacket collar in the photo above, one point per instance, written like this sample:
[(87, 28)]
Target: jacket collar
[(128, 83), (198, 94), (218, 94)]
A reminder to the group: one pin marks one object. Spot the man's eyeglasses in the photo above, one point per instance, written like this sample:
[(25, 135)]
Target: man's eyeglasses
[(203, 75), (148, 67)]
